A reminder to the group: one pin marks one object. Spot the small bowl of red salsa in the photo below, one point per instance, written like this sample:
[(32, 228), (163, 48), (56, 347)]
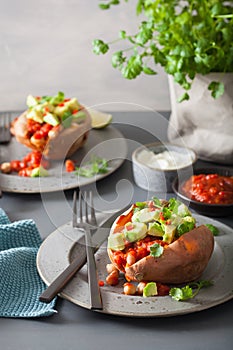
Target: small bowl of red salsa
[(208, 191)]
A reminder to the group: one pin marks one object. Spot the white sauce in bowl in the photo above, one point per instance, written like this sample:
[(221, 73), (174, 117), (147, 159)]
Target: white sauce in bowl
[(166, 160)]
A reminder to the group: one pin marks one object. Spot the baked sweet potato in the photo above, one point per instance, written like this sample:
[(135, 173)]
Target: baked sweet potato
[(61, 136), (180, 261)]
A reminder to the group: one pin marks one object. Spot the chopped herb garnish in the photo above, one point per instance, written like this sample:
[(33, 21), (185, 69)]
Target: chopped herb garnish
[(94, 167), (156, 250), (157, 202), (213, 229), (189, 291)]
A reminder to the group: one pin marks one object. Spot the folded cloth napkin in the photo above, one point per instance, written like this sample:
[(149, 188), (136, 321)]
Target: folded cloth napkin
[(20, 283)]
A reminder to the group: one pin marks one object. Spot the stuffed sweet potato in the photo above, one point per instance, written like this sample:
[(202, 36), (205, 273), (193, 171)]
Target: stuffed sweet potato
[(53, 125), (159, 241)]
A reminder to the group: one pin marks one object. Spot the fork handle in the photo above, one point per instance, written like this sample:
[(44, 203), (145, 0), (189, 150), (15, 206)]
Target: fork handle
[(95, 296), (61, 281)]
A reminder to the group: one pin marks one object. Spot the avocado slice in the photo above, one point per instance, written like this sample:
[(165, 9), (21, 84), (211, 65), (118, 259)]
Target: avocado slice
[(51, 119), (35, 115), (169, 234), (116, 241), (145, 215), (135, 231), (61, 110), (72, 104), (155, 229), (39, 172), (31, 101), (150, 290)]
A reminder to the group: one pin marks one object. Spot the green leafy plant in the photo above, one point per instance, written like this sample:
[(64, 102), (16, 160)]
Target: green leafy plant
[(186, 37)]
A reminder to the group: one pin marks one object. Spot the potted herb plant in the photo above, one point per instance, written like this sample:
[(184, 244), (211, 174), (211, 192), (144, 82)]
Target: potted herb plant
[(192, 41)]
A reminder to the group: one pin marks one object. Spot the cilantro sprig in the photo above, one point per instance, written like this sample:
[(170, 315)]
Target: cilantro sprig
[(189, 291), (156, 250), (94, 167), (213, 229), (184, 37)]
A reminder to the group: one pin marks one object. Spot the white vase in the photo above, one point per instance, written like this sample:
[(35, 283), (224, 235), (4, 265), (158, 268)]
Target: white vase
[(203, 123)]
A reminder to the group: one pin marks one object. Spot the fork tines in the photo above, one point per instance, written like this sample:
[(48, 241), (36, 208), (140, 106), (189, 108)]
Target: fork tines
[(89, 224)]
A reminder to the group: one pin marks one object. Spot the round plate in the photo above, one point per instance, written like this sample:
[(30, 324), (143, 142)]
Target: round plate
[(214, 210), (106, 143), (59, 248)]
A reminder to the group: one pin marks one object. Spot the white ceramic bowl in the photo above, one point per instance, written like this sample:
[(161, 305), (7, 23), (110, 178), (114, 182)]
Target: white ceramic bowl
[(156, 165)]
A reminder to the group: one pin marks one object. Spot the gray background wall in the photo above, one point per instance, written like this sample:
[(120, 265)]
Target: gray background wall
[(45, 46)]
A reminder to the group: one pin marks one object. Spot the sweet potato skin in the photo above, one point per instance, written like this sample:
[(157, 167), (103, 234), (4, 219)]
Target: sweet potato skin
[(182, 261), (59, 145)]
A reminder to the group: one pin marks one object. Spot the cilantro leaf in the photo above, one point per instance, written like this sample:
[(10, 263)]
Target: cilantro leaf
[(216, 88), (156, 250), (157, 202), (99, 46), (189, 291), (213, 229), (94, 167)]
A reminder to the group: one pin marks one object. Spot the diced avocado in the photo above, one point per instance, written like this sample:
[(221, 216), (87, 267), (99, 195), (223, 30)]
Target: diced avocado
[(51, 119), (150, 290), (47, 107), (39, 172), (183, 210), (60, 110), (145, 215), (73, 104), (135, 231), (31, 101), (186, 225), (169, 234), (36, 115), (55, 100), (176, 219), (116, 241), (155, 229)]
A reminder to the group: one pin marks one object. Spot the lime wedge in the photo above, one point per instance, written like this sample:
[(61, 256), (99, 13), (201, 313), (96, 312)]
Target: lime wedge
[(99, 120)]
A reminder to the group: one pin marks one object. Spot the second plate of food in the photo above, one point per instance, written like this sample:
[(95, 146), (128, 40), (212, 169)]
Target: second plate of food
[(108, 144)]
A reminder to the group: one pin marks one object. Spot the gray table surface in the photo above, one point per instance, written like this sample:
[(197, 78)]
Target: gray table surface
[(74, 327)]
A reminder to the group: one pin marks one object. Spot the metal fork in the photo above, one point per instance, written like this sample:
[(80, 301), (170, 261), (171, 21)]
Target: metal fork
[(65, 276), (88, 225), (5, 134)]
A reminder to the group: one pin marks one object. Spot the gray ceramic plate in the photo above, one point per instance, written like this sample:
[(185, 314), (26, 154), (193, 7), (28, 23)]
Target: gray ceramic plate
[(60, 247), (106, 143)]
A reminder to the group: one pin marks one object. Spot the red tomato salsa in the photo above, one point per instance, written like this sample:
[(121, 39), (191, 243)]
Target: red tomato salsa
[(209, 188), (135, 251)]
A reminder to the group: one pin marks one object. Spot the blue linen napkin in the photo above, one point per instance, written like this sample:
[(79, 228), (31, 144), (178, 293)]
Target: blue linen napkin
[(20, 283)]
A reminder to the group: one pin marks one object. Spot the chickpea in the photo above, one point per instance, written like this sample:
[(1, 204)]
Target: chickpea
[(130, 259), (140, 287), (129, 288), (110, 268), (5, 167), (113, 278)]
